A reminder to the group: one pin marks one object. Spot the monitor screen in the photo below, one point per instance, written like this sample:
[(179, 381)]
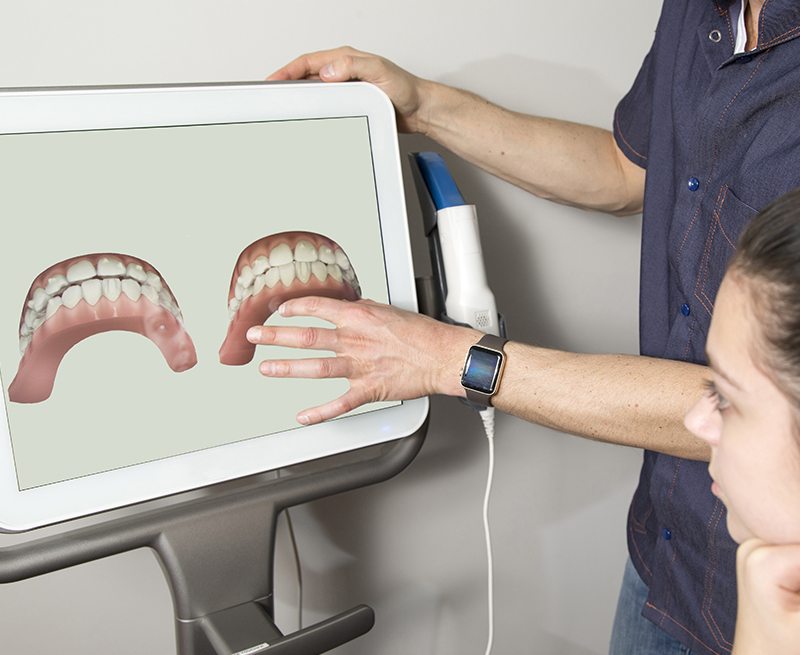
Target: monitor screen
[(134, 259)]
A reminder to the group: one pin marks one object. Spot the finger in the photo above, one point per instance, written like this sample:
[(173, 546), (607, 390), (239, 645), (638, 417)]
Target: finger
[(297, 69), (328, 309), (343, 404), (780, 563), (293, 337), (309, 65), (313, 367)]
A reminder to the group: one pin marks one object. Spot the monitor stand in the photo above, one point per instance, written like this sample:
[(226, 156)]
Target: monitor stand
[(217, 552)]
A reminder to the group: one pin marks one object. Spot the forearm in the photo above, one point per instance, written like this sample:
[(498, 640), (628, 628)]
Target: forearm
[(622, 399), (566, 162)]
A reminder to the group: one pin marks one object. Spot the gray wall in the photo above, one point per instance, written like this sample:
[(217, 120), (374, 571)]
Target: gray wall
[(412, 547)]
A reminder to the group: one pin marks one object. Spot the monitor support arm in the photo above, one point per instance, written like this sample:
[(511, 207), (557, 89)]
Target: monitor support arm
[(217, 553)]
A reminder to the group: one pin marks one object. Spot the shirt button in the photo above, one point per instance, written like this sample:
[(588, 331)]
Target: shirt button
[(685, 309), (667, 534), (693, 184), (715, 36)]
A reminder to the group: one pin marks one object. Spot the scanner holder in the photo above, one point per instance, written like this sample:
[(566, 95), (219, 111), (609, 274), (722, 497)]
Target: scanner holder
[(436, 190)]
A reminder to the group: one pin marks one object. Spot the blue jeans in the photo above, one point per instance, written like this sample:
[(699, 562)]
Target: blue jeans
[(632, 633)]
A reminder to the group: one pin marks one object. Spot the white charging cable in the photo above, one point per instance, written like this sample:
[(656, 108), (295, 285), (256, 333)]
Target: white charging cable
[(487, 416)]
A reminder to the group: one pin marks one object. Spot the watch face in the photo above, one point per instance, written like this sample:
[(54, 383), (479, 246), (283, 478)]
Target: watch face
[(481, 369)]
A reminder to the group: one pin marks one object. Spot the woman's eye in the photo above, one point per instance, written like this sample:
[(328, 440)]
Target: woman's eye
[(720, 402)]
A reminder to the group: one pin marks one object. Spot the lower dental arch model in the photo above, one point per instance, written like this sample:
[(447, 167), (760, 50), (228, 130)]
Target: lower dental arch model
[(83, 296), (277, 268)]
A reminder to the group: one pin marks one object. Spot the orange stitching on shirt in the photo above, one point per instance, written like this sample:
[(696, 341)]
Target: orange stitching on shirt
[(719, 637), (639, 555), (777, 38), (684, 628), (622, 136)]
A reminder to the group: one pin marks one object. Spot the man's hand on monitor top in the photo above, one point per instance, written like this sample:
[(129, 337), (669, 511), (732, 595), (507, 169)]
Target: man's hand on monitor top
[(406, 91), (384, 352)]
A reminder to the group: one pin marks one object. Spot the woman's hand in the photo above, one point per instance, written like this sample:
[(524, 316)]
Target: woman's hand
[(768, 619), (384, 352)]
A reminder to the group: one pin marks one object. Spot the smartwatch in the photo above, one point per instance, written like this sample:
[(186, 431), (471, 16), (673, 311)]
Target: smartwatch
[(483, 369)]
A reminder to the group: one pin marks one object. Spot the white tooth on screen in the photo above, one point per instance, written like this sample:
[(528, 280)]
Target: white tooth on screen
[(154, 281), (80, 271), (40, 298), (259, 284), (30, 317), (234, 304), (247, 293), (151, 293), (319, 270), (246, 277), (335, 272), (272, 277), (110, 267), (238, 291), (137, 272), (287, 273), (281, 255), (305, 251), (72, 296), (23, 344), (326, 255), (260, 265), (348, 274), (341, 259), (38, 322), (303, 270), (56, 284), (131, 288), (25, 330), (112, 287), (52, 307), (165, 299), (92, 291)]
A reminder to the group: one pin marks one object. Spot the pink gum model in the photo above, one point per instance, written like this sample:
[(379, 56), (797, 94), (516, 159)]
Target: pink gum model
[(50, 340), (255, 309)]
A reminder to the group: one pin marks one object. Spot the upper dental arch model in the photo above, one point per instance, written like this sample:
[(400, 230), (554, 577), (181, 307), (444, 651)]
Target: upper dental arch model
[(275, 269), (83, 296)]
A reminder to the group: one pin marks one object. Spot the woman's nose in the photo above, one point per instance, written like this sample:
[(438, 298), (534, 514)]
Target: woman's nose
[(704, 420)]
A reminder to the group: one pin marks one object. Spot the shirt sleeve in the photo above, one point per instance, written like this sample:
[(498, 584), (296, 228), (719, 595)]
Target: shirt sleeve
[(633, 115)]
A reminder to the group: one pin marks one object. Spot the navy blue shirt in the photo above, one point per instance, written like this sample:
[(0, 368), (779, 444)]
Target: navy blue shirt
[(719, 136)]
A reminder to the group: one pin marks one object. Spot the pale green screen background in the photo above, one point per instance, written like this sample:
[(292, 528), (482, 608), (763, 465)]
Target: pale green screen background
[(187, 200)]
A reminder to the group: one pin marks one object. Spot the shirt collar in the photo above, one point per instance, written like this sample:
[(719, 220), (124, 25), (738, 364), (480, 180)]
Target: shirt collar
[(779, 20)]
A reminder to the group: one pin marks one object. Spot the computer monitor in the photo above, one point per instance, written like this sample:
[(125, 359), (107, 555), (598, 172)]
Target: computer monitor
[(144, 230)]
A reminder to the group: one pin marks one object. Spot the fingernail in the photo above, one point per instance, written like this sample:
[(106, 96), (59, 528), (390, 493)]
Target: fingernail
[(282, 309), (254, 334), (265, 368), (327, 71), (302, 419)]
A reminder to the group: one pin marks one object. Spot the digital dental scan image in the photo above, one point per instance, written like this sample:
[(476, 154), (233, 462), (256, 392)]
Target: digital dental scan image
[(275, 269), (83, 296), (182, 203)]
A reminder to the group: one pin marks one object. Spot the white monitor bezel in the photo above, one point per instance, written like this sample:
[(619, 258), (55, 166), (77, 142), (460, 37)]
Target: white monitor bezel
[(68, 109)]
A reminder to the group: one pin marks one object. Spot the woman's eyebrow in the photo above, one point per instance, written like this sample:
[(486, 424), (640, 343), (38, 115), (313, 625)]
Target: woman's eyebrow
[(721, 372)]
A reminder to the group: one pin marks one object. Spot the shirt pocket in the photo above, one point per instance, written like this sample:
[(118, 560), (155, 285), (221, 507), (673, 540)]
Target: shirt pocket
[(730, 216)]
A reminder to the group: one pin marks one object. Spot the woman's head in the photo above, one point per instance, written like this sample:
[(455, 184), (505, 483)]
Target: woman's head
[(751, 414)]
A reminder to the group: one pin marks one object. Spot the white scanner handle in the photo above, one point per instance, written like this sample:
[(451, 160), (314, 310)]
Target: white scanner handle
[(469, 299)]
